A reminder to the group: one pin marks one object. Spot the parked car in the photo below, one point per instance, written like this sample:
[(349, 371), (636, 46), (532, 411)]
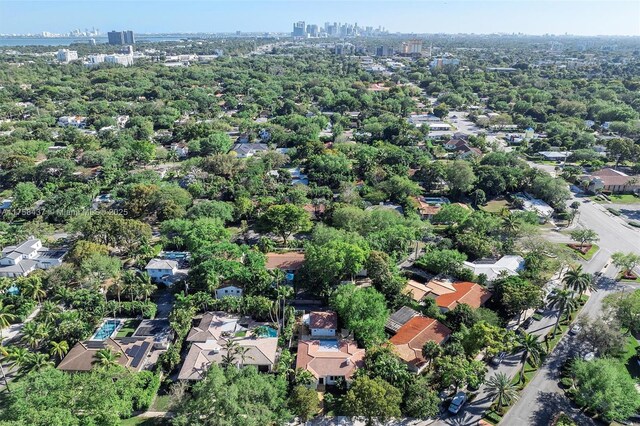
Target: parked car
[(496, 360), (457, 402), (575, 329), (589, 356), (527, 322), (541, 310)]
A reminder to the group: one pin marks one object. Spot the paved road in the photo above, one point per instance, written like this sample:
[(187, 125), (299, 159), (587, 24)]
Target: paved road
[(474, 411), (615, 234), (542, 398)]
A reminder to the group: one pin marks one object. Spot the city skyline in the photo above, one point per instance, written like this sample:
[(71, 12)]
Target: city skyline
[(215, 16)]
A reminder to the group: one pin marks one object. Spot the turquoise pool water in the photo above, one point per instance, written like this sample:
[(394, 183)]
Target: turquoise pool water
[(106, 330), (272, 332)]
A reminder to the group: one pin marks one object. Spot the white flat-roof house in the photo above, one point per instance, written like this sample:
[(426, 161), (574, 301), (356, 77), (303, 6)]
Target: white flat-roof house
[(323, 324), (72, 121), (162, 270), (228, 291), (539, 207), (21, 260), (495, 268)]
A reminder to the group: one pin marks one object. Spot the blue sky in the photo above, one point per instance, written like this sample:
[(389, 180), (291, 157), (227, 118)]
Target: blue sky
[(583, 17)]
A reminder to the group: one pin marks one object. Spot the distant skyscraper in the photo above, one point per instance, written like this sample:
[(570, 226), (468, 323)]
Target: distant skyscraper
[(121, 37), (313, 30), (129, 37), (299, 29), (116, 37), (384, 51), (412, 47)]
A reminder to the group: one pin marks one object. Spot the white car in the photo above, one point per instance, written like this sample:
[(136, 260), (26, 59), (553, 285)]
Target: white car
[(575, 329), (457, 402), (589, 356)]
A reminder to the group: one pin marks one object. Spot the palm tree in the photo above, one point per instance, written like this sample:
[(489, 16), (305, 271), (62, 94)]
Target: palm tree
[(430, 351), (5, 283), (578, 281), (531, 351), (32, 286), (59, 349), (5, 317), (4, 354), (17, 356), (49, 312), (564, 300), (511, 224), (37, 361), (284, 292), (147, 287), (106, 357), (241, 351), (33, 333), (118, 285), (500, 386), (229, 358)]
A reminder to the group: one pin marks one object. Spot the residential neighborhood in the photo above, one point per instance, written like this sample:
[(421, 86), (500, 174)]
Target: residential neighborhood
[(339, 225)]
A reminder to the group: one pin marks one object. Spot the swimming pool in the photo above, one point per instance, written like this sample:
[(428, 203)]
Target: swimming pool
[(272, 332), (106, 329)]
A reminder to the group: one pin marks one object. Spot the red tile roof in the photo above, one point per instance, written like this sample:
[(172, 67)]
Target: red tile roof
[(471, 294), (322, 362), (286, 261), (325, 320), (412, 336)]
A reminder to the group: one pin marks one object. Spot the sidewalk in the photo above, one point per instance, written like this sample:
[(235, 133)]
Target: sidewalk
[(13, 330)]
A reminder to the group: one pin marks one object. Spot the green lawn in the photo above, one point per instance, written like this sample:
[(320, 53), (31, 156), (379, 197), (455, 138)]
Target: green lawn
[(588, 255), (161, 403), (128, 328), (624, 199), (529, 372), (492, 417), (495, 206), (630, 359)]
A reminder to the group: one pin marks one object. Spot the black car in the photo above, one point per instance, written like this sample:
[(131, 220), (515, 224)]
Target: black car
[(496, 360), (527, 323)]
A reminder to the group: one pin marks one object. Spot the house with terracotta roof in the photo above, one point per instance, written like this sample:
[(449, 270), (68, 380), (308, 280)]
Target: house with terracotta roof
[(133, 352), (469, 293), (289, 263), (416, 290), (426, 210), (330, 360), (323, 324), (316, 211), (211, 338), (448, 294), (412, 336)]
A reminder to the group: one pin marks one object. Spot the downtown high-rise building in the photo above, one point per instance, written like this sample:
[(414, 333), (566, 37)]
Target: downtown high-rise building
[(299, 29), (120, 38)]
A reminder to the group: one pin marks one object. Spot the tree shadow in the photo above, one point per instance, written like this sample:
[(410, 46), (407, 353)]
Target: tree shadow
[(550, 404)]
